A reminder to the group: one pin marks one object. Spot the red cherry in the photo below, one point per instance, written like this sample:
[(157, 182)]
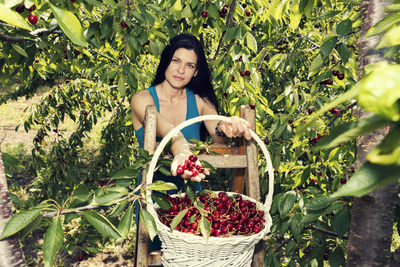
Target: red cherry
[(205, 25), (33, 7), (248, 13), (290, 121), (335, 73), (123, 24), (244, 5), (193, 158), (233, 78), (252, 106), (73, 1), (194, 173), (314, 179), (266, 141), (343, 180), (32, 19), (310, 111), (247, 73), (334, 111), (242, 73), (180, 170), (36, 60), (20, 8), (329, 82), (147, 42), (80, 258), (340, 76), (204, 14)]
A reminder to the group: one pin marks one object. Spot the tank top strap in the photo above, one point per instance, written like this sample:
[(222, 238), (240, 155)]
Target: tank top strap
[(153, 93), (191, 105)]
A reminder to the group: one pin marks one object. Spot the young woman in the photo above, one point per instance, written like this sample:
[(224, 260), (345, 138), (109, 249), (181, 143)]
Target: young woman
[(180, 91)]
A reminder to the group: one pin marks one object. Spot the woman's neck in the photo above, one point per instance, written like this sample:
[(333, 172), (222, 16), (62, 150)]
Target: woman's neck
[(167, 92)]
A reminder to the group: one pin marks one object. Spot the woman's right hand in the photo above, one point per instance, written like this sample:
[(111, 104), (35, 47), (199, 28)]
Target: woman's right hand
[(188, 166)]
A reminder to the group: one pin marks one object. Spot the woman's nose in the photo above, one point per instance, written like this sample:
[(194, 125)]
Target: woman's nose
[(181, 68)]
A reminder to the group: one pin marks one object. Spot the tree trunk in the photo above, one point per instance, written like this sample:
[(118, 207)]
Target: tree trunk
[(372, 216), (10, 250)]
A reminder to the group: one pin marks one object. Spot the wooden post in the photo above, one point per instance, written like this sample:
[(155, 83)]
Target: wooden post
[(149, 144), (10, 250), (252, 180), (238, 178)]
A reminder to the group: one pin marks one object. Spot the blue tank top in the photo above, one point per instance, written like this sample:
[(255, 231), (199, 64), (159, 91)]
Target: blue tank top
[(191, 131)]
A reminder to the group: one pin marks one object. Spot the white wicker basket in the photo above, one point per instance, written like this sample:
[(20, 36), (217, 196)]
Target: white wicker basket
[(184, 249)]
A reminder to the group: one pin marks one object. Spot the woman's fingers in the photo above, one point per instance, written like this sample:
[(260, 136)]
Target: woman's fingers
[(236, 127)]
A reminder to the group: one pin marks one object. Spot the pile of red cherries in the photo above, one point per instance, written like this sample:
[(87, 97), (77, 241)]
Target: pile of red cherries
[(227, 215)]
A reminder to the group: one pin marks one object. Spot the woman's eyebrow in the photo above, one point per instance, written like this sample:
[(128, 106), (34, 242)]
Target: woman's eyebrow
[(189, 62)]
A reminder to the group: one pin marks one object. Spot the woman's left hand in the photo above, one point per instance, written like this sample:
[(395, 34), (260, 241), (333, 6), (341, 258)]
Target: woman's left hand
[(236, 127)]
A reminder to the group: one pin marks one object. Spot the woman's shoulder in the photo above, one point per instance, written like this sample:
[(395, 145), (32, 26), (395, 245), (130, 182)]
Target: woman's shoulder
[(203, 105), (142, 96)]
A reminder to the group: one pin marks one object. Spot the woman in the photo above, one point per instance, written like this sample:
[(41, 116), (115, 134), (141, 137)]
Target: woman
[(182, 90)]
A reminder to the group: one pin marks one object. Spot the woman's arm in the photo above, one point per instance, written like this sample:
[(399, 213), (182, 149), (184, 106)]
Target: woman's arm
[(236, 127)]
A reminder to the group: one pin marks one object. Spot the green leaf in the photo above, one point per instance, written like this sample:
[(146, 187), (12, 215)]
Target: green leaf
[(107, 199), (317, 63), (296, 225), (94, 3), (350, 130), (319, 202), (165, 171), (81, 193), (161, 201), (178, 218), (187, 12), (383, 25), (343, 52), (392, 8), (286, 202), (328, 45), (102, 224), (69, 24), (205, 227), (127, 173), (189, 189), (368, 178), (251, 42), (213, 11), (337, 257), (126, 222), (388, 151), (177, 7), (13, 18), (19, 221), (161, 186), (380, 91), (390, 38), (19, 49), (341, 222), (53, 240), (344, 27), (148, 222), (30, 227)]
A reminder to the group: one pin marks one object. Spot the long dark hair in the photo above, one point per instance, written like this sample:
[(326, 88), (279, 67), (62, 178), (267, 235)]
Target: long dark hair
[(201, 83)]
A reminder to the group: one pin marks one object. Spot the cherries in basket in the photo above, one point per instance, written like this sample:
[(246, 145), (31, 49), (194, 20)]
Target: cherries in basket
[(213, 214)]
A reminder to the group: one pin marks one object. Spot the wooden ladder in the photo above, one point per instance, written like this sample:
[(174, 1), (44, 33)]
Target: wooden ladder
[(242, 157)]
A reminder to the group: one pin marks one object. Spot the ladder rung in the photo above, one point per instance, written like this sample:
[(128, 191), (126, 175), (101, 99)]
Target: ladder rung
[(225, 161)]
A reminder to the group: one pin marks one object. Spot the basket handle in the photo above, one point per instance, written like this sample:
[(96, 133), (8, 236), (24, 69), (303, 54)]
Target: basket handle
[(174, 131)]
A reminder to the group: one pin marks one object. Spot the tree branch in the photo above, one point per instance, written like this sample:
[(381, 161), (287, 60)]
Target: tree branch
[(341, 113), (35, 33), (228, 20)]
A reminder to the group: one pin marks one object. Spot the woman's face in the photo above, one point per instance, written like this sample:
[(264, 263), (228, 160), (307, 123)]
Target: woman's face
[(182, 68)]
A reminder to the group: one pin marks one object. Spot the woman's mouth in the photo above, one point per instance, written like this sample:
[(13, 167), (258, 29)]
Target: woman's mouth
[(178, 78)]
